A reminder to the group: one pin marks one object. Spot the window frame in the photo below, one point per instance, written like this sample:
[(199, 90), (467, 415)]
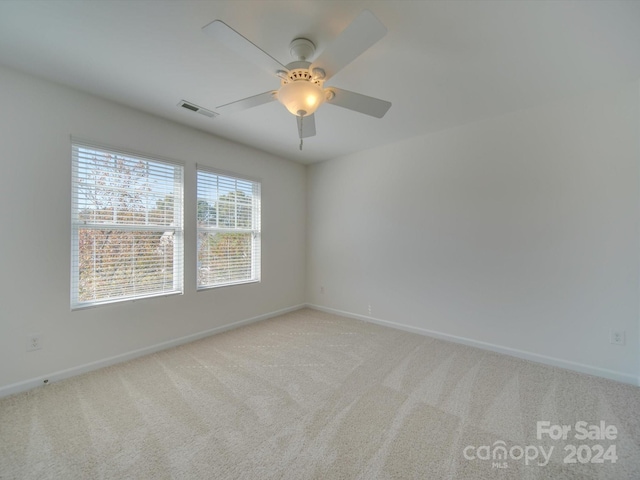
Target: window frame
[(255, 230), (177, 226)]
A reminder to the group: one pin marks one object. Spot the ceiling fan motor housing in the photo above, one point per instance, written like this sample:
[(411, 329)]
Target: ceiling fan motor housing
[(300, 71)]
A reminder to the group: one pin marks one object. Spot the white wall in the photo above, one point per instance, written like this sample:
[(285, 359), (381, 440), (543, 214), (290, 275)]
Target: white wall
[(36, 121), (521, 232)]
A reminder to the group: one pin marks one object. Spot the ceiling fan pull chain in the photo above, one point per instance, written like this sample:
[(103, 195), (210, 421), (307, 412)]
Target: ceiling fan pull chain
[(300, 130)]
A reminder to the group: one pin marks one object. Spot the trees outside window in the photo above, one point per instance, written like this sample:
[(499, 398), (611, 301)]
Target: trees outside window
[(228, 220), (127, 230)]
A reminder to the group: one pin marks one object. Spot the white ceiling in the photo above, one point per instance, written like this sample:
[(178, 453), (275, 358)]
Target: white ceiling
[(442, 64)]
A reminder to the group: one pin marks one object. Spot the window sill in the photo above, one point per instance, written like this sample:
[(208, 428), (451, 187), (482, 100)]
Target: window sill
[(230, 284)]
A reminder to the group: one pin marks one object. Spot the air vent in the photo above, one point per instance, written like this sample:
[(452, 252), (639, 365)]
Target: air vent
[(190, 107), (197, 109)]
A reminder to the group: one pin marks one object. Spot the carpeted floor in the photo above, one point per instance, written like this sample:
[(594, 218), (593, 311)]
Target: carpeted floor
[(310, 395)]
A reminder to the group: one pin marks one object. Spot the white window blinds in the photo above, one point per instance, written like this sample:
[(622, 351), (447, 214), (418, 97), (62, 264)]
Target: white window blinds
[(127, 226), (228, 229)]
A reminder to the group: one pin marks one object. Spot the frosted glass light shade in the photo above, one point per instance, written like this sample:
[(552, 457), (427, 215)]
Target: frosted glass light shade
[(301, 96)]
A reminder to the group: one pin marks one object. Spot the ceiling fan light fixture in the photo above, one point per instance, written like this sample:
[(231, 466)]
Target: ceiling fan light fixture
[(301, 96)]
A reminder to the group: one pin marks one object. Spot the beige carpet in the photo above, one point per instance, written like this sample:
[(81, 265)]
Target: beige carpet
[(310, 395)]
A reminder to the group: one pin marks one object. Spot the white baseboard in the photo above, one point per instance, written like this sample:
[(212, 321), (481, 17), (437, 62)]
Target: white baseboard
[(87, 367), (534, 357)]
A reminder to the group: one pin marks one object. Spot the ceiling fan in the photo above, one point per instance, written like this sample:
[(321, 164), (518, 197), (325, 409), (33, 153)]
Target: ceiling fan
[(302, 81)]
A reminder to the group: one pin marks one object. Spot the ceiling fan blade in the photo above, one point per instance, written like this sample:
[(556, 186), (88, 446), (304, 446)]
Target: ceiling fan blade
[(308, 128), (242, 46), (248, 102), (354, 40), (359, 103)]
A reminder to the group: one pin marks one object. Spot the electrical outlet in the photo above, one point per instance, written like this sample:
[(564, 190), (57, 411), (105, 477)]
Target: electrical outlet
[(617, 337), (34, 342), (369, 309)]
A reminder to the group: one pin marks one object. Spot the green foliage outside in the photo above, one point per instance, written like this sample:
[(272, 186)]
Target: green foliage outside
[(116, 260), (113, 261), (225, 257)]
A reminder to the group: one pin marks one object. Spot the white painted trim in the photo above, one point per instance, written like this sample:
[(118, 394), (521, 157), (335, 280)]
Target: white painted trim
[(88, 367), (533, 357)]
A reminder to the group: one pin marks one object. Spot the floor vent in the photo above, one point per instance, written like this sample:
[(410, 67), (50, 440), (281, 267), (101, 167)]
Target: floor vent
[(197, 109)]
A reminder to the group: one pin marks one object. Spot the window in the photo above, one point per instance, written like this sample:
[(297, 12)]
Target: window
[(127, 232), (228, 229)]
